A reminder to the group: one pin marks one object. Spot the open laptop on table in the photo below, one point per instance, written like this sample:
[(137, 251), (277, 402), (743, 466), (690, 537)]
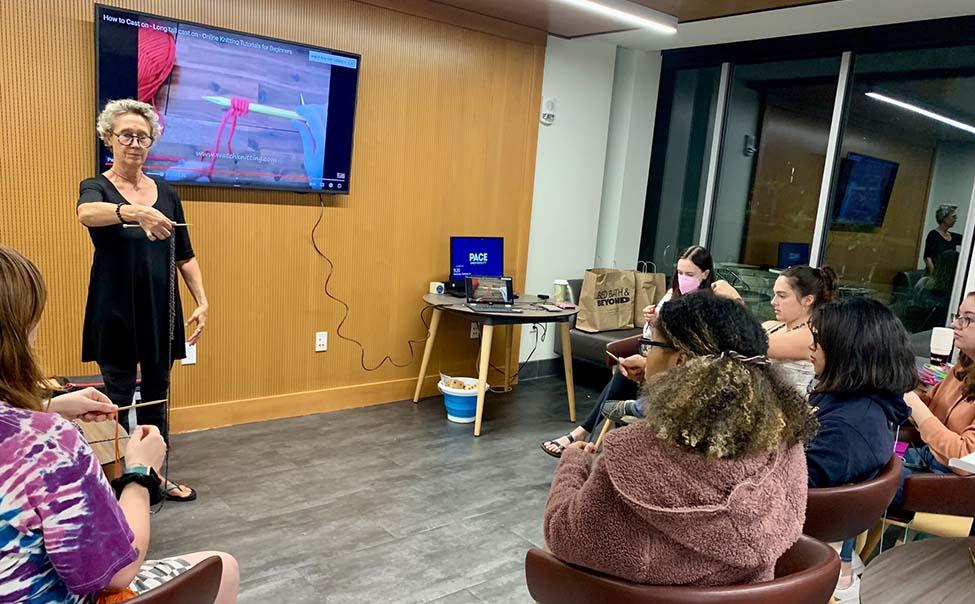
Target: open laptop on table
[(490, 294)]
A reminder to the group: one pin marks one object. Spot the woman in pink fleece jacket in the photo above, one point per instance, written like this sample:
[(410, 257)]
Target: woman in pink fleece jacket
[(711, 488)]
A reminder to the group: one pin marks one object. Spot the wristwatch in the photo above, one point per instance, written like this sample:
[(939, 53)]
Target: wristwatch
[(143, 476)]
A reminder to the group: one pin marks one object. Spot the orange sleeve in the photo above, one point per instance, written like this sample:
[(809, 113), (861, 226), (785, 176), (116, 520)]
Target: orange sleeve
[(946, 444), (930, 395)]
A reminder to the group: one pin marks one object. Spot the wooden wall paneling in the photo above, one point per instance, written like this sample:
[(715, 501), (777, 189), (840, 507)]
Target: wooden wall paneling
[(446, 128), (785, 190)]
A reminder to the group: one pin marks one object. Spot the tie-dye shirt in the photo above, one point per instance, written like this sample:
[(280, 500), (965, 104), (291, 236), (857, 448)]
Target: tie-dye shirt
[(62, 533)]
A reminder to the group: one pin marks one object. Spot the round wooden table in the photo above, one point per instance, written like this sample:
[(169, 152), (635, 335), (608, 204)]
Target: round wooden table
[(930, 571)]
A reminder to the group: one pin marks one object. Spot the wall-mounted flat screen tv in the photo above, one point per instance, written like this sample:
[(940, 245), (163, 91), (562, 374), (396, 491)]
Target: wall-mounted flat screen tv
[(863, 192), (237, 110)]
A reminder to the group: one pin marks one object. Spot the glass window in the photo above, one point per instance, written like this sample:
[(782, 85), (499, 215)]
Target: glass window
[(673, 219), (770, 172), (903, 186)]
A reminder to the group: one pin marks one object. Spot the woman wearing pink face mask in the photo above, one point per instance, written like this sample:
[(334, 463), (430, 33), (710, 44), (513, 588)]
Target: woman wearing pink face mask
[(694, 272)]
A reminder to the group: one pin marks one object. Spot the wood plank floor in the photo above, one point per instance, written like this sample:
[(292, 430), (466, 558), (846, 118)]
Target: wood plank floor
[(385, 504)]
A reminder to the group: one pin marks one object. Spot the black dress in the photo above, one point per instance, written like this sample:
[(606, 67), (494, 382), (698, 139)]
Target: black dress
[(127, 314), (935, 244)]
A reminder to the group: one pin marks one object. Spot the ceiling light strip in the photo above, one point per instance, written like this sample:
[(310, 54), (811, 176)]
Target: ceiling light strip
[(663, 24), (921, 111)]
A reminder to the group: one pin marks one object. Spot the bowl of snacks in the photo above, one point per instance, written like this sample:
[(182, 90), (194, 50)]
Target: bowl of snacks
[(459, 398)]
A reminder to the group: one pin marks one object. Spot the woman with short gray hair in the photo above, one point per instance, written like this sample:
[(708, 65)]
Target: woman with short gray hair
[(134, 319), (941, 240)]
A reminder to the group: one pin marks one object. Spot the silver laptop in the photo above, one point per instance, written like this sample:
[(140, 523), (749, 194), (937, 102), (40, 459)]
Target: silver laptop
[(490, 294)]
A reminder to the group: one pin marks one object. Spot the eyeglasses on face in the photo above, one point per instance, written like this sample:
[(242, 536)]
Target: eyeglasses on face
[(645, 345), (963, 320), (126, 138)]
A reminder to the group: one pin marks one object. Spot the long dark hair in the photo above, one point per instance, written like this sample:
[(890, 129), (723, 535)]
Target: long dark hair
[(820, 283), (866, 347), (726, 401), (701, 258)]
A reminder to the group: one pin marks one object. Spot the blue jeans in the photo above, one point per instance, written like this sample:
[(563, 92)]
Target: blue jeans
[(846, 552), (619, 388), (917, 460)]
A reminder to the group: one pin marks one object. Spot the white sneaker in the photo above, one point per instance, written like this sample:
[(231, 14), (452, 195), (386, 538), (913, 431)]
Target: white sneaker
[(849, 594), (858, 565)]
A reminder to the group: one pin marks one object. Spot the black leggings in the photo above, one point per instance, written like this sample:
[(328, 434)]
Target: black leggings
[(120, 387), (619, 388)]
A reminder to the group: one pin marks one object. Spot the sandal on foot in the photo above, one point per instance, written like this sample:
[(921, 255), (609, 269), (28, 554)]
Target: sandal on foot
[(560, 446), (171, 495)]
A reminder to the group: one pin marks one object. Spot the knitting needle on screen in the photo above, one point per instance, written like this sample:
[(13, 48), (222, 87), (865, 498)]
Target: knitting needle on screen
[(258, 108)]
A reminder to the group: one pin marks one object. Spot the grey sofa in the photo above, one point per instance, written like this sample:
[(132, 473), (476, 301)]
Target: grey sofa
[(588, 347)]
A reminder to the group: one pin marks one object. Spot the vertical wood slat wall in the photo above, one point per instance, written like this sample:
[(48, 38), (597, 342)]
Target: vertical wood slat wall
[(446, 127)]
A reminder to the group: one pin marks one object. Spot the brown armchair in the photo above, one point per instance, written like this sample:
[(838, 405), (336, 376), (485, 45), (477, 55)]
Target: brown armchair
[(941, 504), (936, 493), (940, 494), (621, 349), (198, 585), (805, 574), (838, 513)]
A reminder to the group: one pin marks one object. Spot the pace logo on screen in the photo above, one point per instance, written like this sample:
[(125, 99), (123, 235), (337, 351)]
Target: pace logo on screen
[(477, 258)]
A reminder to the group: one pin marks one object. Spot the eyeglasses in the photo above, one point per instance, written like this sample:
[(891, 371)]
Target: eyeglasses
[(645, 345), (963, 320), (126, 138)]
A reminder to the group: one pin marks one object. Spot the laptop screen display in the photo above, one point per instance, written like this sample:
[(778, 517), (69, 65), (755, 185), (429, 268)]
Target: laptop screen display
[(489, 290)]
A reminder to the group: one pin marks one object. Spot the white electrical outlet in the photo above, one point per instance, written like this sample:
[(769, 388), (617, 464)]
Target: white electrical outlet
[(475, 331), (190, 358), (321, 341)]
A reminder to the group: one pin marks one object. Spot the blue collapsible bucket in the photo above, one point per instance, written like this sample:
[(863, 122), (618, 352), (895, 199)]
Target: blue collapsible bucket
[(461, 405)]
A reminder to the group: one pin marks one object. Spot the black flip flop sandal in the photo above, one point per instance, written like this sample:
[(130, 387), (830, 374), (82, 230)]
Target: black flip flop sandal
[(555, 442), (171, 496)]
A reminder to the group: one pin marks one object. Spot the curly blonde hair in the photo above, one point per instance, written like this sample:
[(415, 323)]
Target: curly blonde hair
[(113, 109), (726, 401)]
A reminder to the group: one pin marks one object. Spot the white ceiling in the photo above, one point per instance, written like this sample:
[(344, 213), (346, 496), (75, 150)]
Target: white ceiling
[(814, 18)]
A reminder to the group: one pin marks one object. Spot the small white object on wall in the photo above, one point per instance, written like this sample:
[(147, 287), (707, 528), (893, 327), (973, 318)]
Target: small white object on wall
[(548, 111), (190, 358)]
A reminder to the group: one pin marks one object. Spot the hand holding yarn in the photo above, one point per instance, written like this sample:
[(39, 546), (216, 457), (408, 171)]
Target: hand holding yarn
[(146, 447)]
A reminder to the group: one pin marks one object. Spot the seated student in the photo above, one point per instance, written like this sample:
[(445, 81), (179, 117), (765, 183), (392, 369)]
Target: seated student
[(711, 488), (946, 417), (862, 357), (694, 272), (797, 292), (63, 535)]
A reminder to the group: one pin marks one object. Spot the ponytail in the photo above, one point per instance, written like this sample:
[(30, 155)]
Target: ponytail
[(820, 283)]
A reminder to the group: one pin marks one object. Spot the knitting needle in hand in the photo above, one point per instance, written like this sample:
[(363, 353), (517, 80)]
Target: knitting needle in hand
[(602, 434), (146, 404), (139, 226)]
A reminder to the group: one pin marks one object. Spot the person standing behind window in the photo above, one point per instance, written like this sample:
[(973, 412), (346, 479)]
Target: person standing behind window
[(940, 239)]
